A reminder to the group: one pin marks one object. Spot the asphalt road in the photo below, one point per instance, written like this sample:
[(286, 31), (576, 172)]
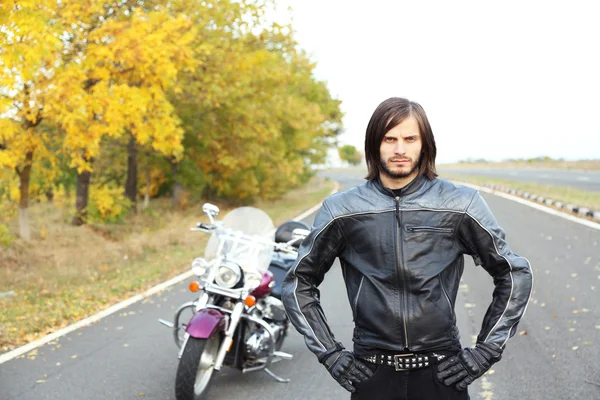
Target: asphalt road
[(555, 356), (576, 179)]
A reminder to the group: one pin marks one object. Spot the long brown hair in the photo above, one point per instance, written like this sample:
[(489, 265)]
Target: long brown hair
[(387, 115)]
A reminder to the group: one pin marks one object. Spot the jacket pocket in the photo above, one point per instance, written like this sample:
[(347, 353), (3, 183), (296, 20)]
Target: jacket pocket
[(355, 303), (433, 229)]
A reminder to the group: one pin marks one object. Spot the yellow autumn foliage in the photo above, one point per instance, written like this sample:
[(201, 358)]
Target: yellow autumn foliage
[(211, 95), (61, 197), (156, 178), (107, 203)]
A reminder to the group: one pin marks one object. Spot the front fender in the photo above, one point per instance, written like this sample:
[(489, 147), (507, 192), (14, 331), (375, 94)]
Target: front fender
[(206, 323)]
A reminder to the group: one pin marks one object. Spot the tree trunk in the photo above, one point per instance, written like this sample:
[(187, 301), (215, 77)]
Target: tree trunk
[(82, 199), (24, 177), (50, 194), (131, 184), (177, 186)]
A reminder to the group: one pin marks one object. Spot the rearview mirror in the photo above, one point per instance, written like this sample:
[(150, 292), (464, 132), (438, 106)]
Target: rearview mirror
[(210, 209)]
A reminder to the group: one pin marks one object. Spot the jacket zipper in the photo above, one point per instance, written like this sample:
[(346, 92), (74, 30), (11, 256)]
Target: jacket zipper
[(399, 266), (429, 229), (356, 298)]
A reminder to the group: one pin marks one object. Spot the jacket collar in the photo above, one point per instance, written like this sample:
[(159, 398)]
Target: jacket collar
[(412, 187)]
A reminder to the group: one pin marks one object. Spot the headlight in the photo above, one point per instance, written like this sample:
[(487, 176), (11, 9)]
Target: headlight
[(252, 280), (228, 275), (199, 266)]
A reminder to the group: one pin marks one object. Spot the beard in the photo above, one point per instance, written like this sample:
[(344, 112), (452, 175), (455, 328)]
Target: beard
[(399, 174)]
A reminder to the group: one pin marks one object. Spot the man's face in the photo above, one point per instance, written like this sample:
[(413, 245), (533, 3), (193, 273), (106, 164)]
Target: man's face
[(400, 150)]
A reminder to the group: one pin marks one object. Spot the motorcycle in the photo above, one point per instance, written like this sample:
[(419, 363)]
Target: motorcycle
[(237, 319)]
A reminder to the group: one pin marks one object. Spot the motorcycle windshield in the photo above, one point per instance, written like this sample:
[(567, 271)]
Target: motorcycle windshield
[(240, 235)]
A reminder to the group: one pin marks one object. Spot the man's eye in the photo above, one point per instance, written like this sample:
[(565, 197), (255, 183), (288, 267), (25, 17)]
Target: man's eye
[(411, 138)]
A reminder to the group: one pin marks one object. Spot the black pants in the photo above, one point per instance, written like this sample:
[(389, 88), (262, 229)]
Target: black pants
[(419, 384)]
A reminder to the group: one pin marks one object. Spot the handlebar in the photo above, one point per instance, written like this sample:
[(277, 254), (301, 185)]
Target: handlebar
[(201, 227), (205, 226), (208, 228)]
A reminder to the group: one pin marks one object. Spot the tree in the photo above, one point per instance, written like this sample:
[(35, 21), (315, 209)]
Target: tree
[(350, 154), (120, 87), (257, 117), (29, 48)]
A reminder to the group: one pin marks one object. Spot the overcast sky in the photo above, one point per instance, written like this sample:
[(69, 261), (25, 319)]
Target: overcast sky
[(511, 79)]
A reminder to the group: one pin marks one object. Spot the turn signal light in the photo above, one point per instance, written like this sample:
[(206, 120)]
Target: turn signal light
[(194, 287), (250, 301)]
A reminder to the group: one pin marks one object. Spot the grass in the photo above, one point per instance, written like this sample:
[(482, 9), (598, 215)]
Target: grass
[(66, 273), (563, 194)]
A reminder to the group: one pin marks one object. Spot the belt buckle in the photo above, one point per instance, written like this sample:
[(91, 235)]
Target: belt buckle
[(397, 358)]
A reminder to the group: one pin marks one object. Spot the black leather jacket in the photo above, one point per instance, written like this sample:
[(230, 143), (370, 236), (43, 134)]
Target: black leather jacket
[(402, 259)]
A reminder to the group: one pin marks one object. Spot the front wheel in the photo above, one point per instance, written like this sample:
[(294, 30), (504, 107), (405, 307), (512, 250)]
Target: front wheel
[(196, 367)]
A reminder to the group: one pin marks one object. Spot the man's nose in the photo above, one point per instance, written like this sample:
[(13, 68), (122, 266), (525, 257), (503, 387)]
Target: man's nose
[(399, 148)]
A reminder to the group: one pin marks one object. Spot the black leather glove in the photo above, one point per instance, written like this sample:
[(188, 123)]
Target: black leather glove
[(346, 369), (468, 365)]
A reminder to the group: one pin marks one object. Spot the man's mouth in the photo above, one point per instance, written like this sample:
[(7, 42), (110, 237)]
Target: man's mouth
[(403, 161)]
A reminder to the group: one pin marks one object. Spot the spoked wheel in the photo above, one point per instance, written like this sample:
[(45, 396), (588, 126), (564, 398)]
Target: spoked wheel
[(196, 368)]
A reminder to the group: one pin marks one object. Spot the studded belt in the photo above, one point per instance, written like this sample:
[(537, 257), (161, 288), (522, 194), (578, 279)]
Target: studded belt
[(405, 362)]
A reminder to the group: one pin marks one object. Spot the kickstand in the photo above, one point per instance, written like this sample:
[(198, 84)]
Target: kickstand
[(277, 378)]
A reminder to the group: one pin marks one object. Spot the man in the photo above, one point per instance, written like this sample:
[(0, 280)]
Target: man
[(400, 238)]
